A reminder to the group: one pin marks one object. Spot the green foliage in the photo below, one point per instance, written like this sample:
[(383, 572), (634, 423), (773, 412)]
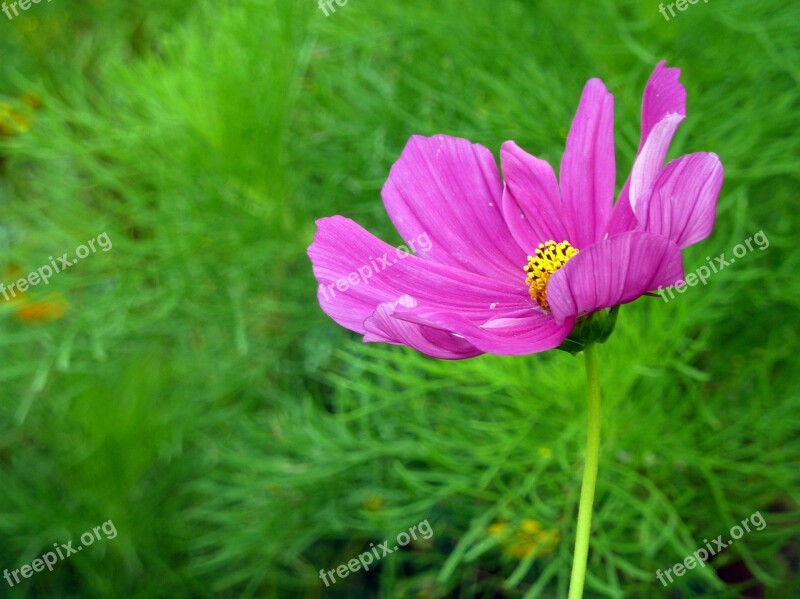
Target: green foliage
[(240, 441)]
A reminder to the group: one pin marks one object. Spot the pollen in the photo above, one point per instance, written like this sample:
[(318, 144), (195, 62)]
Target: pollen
[(550, 256)]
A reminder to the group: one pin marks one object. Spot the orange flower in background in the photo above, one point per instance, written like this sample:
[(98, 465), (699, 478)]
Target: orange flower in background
[(31, 309), (47, 309), (13, 271)]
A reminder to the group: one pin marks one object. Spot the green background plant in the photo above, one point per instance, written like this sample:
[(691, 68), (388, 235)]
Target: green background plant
[(195, 394)]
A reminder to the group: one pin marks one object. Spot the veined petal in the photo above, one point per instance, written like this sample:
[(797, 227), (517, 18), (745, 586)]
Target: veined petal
[(612, 272), (650, 161), (683, 204), (663, 95), (588, 168), (531, 199), (514, 333), (450, 189), (356, 272), (383, 327)]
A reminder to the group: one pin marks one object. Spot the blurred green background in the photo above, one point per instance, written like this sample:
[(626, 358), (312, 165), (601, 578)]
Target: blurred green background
[(186, 385)]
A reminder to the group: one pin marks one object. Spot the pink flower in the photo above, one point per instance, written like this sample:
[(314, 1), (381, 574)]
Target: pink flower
[(512, 264)]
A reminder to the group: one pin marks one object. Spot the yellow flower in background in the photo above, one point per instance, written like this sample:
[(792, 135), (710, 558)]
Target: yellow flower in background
[(12, 122), (31, 99), (17, 119), (497, 529), (373, 504), (545, 452), (528, 538)]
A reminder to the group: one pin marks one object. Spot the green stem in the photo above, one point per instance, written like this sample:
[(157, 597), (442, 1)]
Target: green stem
[(589, 483)]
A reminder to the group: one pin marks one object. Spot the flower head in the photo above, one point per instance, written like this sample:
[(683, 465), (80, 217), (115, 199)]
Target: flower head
[(513, 263)]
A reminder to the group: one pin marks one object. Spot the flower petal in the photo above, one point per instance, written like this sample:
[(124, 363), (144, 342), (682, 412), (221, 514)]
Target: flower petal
[(650, 161), (622, 217), (383, 327), (663, 95), (356, 272), (451, 189), (683, 204), (612, 272), (522, 332), (531, 199), (587, 168)]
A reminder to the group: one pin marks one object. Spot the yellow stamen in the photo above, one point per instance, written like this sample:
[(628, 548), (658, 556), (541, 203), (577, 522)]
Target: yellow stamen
[(550, 256)]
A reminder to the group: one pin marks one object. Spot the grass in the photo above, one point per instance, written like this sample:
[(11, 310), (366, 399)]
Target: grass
[(195, 394)]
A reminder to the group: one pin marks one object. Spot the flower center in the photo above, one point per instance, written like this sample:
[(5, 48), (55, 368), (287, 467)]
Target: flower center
[(550, 256)]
